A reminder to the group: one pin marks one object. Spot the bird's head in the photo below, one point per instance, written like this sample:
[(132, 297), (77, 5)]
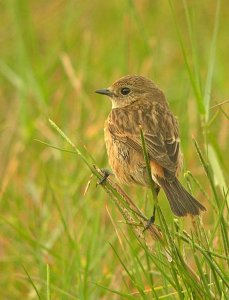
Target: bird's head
[(132, 88)]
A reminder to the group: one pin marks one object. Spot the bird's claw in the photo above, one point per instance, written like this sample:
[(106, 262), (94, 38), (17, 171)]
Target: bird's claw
[(106, 174), (149, 223), (151, 220)]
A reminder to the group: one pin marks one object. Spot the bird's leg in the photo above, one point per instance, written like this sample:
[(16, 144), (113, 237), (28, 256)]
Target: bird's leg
[(106, 174), (152, 218)]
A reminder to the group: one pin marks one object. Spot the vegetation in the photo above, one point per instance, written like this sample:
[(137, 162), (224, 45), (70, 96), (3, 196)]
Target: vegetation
[(61, 235)]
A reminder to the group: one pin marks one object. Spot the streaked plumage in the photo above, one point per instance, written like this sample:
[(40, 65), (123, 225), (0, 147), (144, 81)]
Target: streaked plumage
[(137, 101)]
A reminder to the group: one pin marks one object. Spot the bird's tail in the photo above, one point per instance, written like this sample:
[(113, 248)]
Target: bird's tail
[(181, 202)]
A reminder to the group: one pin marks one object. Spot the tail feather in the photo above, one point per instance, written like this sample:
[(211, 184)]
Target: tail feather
[(181, 202)]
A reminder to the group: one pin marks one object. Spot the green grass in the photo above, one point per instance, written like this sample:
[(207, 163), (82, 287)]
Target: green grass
[(63, 237)]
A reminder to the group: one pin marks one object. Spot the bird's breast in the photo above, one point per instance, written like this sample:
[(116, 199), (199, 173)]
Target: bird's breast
[(127, 165)]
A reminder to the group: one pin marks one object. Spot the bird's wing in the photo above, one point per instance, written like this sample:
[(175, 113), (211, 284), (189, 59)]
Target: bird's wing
[(160, 131)]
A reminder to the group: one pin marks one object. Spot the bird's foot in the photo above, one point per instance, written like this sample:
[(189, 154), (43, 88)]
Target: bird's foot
[(106, 174), (151, 220)]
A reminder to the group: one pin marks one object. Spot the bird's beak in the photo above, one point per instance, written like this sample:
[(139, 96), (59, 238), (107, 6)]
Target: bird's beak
[(106, 92)]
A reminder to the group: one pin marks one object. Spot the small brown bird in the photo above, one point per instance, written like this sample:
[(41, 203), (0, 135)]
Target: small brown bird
[(138, 102)]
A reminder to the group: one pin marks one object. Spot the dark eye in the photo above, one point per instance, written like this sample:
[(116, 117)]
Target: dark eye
[(125, 91)]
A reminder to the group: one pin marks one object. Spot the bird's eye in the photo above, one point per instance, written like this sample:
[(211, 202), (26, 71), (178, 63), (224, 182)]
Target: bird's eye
[(125, 91)]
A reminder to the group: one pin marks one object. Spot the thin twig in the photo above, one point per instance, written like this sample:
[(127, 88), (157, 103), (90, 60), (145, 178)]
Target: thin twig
[(219, 104)]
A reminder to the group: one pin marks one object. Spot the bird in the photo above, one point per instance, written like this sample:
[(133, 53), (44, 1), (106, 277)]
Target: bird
[(139, 104)]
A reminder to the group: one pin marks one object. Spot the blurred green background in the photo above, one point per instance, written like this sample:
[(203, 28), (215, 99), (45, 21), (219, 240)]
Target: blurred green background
[(53, 55)]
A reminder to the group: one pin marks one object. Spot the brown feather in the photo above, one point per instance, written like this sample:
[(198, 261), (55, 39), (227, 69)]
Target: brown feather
[(156, 169), (159, 127), (145, 106)]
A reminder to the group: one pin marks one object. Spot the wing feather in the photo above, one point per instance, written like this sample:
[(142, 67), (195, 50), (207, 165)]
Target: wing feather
[(160, 131)]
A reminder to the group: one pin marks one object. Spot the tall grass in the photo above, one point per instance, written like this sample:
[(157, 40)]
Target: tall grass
[(61, 236)]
